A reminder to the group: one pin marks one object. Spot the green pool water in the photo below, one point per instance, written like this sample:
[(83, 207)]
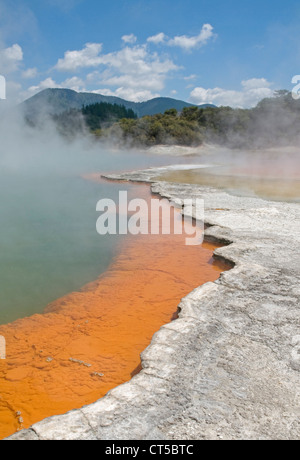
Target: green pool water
[(48, 240)]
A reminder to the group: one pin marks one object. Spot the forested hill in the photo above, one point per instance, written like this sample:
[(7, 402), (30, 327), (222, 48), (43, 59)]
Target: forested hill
[(94, 117), (274, 121), (55, 101), (103, 112)]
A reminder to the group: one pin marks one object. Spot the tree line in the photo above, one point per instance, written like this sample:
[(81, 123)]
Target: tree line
[(95, 117), (274, 121)]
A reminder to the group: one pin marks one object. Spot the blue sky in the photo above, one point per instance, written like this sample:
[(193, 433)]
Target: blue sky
[(225, 52)]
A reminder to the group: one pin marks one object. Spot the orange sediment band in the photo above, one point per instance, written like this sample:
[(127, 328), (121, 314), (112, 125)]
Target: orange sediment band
[(89, 342)]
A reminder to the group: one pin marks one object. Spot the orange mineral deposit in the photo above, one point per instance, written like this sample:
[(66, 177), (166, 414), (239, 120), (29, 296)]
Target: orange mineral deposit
[(90, 341)]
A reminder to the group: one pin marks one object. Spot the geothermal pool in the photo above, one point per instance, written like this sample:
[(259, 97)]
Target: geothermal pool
[(272, 174), (241, 181), (48, 240), (90, 341)]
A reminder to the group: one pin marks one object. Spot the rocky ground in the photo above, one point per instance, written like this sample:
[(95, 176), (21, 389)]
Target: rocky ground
[(228, 368)]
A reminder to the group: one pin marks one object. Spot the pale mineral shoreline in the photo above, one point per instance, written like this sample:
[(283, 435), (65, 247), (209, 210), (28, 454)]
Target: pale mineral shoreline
[(228, 368)]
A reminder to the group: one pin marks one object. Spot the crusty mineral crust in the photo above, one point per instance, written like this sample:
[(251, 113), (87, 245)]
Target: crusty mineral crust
[(228, 368)]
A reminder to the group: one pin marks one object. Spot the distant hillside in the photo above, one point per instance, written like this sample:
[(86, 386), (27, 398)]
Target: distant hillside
[(94, 117), (56, 101), (161, 104), (274, 121)]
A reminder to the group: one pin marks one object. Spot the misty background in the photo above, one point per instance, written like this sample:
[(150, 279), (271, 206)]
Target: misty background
[(48, 241)]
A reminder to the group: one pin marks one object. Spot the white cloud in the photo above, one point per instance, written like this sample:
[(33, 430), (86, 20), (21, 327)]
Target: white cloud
[(87, 57), (45, 84), (74, 83), (253, 90), (132, 72), (158, 38), (190, 77), (137, 61), (153, 83), (93, 76), (14, 53), (129, 39), (183, 41), (10, 59), (255, 83), (30, 73), (135, 73), (188, 43), (128, 94)]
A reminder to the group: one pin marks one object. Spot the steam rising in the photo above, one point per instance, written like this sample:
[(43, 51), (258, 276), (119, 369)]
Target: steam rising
[(48, 240)]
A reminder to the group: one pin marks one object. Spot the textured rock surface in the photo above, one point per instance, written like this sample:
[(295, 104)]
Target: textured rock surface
[(228, 368)]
